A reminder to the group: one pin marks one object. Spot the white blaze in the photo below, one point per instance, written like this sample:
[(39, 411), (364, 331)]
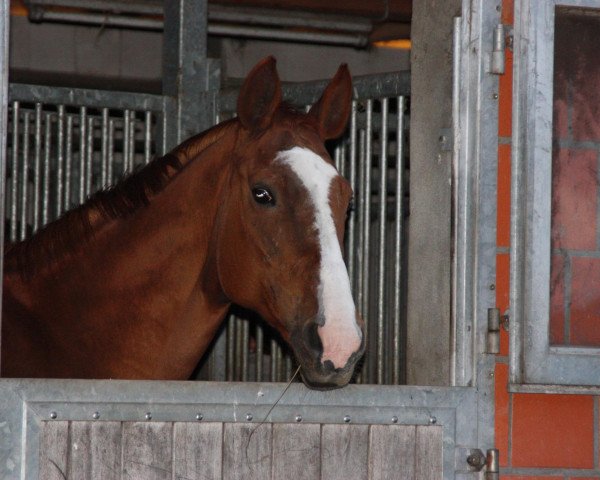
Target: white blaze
[(340, 334)]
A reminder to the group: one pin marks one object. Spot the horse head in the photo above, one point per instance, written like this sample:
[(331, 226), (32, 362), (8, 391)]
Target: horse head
[(281, 226)]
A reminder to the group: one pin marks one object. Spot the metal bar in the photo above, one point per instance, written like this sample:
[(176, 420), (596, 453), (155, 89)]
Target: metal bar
[(4, 64), (24, 175), (398, 242), (148, 137), (244, 354), (101, 19), (68, 162), (274, 347), (46, 175), (111, 151), (104, 148), (145, 7), (14, 173), (238, 349), (89, 172), (306, 93), (352, 178), (367, 228), (259, 352), (60, 160), (82, 152), (88, 97), (230, 347), (126, 132), (36, 166), (382, 250), (132, 126)]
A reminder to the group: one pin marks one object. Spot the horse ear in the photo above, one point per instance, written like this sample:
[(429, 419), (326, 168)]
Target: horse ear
[(333, 108), (260, 95)]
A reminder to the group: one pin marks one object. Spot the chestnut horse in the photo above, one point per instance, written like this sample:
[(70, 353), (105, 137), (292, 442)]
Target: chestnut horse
[(135, 283)]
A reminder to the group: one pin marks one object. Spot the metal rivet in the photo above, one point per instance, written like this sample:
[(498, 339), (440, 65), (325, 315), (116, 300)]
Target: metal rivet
[(394, 419), (199, 417), (495, 96), (492, 287), (148, 416), (298, 418), (53, 415), (249, 417), (96, 415), (432, 420), (347, 419), (491, 374)]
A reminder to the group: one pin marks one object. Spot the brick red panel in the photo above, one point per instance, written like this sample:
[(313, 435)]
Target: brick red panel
[(574, 199), (503, 212), (502, 419), (585, 302), (502, 294), (552, 431)]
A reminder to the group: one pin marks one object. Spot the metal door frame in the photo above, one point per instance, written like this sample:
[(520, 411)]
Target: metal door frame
[(464, 410)]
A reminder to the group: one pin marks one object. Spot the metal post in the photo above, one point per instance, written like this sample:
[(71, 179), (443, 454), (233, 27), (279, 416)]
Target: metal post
[(187, 73), (4, 23)]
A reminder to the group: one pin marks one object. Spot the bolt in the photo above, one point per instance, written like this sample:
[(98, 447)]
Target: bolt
[(475, 460), (53, 415), (394, 419), (347, 419), (298, 418), (432, 420), (249, 417), (148, 416), (492, 287), (495, 96), (491, 374), (442, 138), (199, 417), (96, 415)]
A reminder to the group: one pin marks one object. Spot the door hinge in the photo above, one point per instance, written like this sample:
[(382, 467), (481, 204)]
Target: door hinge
[(477, 461), (498, 56), (493, 331)]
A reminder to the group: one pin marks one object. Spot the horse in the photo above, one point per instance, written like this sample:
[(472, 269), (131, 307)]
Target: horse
[(135, 283)]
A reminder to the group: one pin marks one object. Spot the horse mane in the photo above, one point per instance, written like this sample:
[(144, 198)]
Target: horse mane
[(131, 193)]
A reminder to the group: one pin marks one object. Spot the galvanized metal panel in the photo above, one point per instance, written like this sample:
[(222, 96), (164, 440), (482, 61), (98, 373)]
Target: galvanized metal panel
[(343, 452), (198, 451), (54, 449), (247, 451), (392, 452), (147, 451), (296, 451)]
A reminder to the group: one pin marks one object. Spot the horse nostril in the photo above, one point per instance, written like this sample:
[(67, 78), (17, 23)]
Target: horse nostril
[(328, 366), (313, 341)]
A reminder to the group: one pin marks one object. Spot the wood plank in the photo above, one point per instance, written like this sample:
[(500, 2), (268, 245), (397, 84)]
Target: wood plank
[(197, 451), (54, 447), (247, 451), (80, 454), (344, 452), (392, 452), (429, 453), (147, 450), (106, 450), (296, 451)]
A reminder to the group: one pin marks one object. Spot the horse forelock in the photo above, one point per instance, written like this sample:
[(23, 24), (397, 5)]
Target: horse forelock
[(131, 193)]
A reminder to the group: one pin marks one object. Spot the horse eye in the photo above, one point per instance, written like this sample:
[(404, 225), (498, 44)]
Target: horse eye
[(263, 196)]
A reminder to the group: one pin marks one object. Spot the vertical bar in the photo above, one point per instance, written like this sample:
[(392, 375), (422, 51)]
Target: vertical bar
[(132, 142), (36, 166), (352, 178), (111, 152), (14, 184), (398, 241), (89, 171), (367, 229), (274, 348), (126, 132), (260, 340), (82, 152), (46, 177), (68, 162), (288, 367), (60, 160), (362, 376), (104, 148), (337, 158), (244, 352), (381, 374), (4, 56), (148, 137), (238, 349), (230, 347), (24, 176)]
